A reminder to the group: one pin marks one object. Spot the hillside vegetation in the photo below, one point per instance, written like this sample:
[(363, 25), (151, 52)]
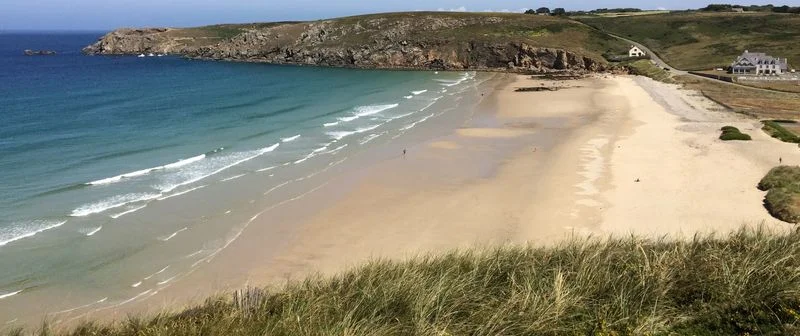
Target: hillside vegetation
[(742, 284), (697, 40), (440, 40)]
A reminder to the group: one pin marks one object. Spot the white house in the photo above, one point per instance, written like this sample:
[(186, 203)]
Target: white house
[(759, 64), (636, 52)]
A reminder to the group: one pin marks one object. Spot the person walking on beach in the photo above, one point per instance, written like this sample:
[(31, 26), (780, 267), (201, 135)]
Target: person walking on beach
[(404, 152), (780, 160)]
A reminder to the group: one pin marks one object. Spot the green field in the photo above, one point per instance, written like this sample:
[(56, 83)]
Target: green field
[(700, 41), (744, 284)]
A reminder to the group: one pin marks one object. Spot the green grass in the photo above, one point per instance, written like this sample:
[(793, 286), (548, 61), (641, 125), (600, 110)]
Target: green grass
[(648, 69), (783, 196), (775, 130), (745, 283), (700, 41), (732, 133)]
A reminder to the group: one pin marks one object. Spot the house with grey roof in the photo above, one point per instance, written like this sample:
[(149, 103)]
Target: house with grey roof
[(759, 64)]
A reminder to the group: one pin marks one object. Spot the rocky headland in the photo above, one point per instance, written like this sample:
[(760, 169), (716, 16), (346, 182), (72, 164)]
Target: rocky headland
[(441, 41)]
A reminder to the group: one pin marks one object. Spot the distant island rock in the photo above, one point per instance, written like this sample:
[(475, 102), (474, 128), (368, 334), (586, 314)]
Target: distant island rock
[(29, 52), (414, 40)]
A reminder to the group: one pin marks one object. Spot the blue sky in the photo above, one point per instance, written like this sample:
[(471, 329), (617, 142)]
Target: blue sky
[(109, 14)]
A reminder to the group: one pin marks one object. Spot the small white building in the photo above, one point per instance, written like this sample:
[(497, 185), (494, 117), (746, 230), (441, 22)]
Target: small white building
[(636, 52)]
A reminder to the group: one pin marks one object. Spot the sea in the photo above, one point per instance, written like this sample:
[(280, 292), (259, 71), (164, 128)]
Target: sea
[(119, 175)]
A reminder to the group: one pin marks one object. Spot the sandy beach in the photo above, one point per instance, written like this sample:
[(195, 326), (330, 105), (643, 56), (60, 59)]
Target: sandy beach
[(606, 155), (540, 167)]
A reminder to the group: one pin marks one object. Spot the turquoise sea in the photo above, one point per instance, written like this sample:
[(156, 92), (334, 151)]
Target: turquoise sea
[(120, 175)]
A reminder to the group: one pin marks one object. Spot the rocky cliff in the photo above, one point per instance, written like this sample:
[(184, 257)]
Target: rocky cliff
[(445, 41)]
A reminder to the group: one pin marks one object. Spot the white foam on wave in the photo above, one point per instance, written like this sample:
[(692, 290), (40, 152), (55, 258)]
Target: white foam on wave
[(369, 138), (417, 93), (232, 178), (412, 125), (347, 119), (19, 231), (343, 134), (8, 295), (156, 273), (290, 139), (363, 111), (111, 203), (266, 169), (276, 188), (129, 211), (166, 281), (93, 231), (181, 193), (135, 297), (142, 172), (172, 235), (408, 97), (81, 307), (136, 284), (330, 124), (214, 166)]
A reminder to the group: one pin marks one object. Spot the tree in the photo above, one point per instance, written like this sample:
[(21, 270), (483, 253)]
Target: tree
[(543, 10), (530, 11), (559, 11)]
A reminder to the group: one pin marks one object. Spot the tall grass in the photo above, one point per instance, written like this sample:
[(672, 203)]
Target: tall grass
[(746, 283)]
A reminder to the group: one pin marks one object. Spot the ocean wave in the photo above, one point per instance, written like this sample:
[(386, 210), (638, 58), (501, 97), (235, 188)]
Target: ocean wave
[(142, 172), (290, 139), (81, 307), (172, 235), (343, 134), (91, 232), (166, 281), (363, 111), (111, 203), (412, 125), (232, 178), (417, 93), (157, 273), (369, 138), (8, 295), (19, 231), (266, 169), (181, 193), (330, 124), (408, 97), (212, 167), (129, 211), (136, 284)]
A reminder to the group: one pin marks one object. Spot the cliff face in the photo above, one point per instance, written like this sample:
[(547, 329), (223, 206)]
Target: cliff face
[(401, 41)]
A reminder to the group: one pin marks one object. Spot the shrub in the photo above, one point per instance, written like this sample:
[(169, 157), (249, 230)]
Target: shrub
[(783, 196), (775, 130), (733, 133)]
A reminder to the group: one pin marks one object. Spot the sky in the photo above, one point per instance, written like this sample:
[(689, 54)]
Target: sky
[(110, 14)]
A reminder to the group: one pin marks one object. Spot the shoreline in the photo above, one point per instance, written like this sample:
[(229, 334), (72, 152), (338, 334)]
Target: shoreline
[(527, 168)]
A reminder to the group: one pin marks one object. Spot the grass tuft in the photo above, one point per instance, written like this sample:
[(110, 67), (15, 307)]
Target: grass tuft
[(775, 130), (782, 184), (732, 133), (745, 283)]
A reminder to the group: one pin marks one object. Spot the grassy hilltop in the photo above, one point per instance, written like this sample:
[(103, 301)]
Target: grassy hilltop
[(744, 284), (699, 40), (414, 40)]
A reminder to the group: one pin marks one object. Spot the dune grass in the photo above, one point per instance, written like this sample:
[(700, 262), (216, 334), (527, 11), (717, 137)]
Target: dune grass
[(783, 196), (732, 133), (648, 69), (775, 130), (745, 283)]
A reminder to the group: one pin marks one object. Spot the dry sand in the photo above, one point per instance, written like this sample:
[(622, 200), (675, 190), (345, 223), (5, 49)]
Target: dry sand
[(567, 165)]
